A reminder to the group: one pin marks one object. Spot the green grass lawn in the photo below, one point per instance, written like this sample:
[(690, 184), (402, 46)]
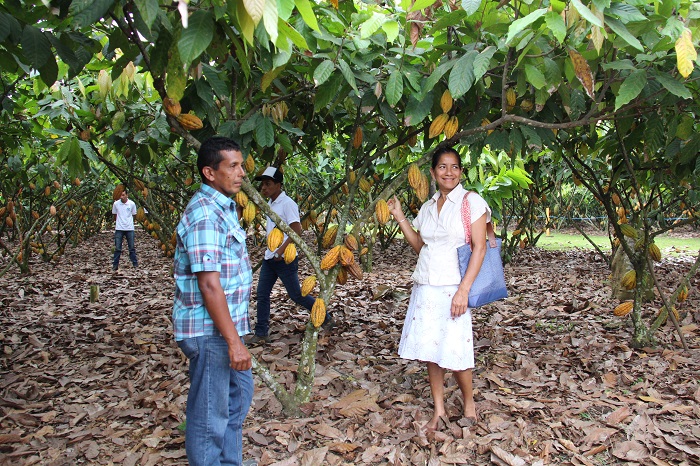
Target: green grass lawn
[(559, 240)]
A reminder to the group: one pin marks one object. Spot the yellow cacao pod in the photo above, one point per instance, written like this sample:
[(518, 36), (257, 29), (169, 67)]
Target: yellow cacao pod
[(510, 98), (357, 138), (446, 101), (423, 188), (189, 122), (331, 258), (350, 242), (318, 312), (683, 294), (140, 215), (628, 230), (381, 210), (274, 239), (485, 122), (364, 251), (451, 127), (624, 308), (249, 212), (249, 164), (355, 270), (342, 277), (438, 125), (308, 284), (654, 252), (346, 256), (414, 175), (329, 236), (365, 184), (352, 177), (673, 310), (629, 280), (241, 199), (290, 253), (526, 105), (172, 107), (305, 223)]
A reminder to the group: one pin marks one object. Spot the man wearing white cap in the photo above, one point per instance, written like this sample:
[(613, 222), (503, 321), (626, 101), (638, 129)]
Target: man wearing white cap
[(274, 267)]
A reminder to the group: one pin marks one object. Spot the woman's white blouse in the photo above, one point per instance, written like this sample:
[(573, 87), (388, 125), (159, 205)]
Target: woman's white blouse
[(442, 235)]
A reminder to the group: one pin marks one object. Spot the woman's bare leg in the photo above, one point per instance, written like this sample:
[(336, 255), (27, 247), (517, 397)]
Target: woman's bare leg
[(436, 376), (464, 381)]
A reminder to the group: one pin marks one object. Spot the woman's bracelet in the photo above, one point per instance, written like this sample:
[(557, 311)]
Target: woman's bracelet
[(404, 219)]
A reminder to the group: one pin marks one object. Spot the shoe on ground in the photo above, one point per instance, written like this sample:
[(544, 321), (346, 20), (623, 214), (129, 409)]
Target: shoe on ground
[(250, 462), (256, 340), (328, 323)]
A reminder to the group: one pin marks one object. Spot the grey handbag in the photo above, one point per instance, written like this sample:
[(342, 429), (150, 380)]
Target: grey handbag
[(490, 284)]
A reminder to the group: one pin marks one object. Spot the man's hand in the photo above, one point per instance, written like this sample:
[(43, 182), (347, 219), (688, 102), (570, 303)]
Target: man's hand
[(239, 356)]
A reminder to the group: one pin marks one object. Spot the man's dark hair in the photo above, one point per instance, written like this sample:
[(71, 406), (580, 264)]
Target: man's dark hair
[(209, 154)]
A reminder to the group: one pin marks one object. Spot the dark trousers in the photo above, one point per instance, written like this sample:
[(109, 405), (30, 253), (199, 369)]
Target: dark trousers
[(270, 271), (118, 240)]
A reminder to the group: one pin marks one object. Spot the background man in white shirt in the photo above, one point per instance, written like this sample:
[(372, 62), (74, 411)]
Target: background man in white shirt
[(124, 211), (273, 266)]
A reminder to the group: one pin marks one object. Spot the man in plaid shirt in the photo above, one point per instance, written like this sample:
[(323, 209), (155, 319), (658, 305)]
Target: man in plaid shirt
[(213, 279)]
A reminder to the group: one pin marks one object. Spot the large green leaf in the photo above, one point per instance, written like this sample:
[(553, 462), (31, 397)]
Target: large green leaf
[(471, 6), (288, 32), (307, 13), (271, 20), (519, 25), (69, 154), (323, 72), (436, 75), (197, 37), (417, 110), (535, 76), (394, 88), (620, 29), (462, 75), (36, 47), (556, 25), (149, 11), (631, 87), (372, 25), (674, 86), (87, 12), (587, 14), (482, 61), (391, 29), (347, 74), (265, 133)]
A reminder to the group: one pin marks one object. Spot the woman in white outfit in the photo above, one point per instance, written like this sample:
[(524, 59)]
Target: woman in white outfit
[(438, 325)]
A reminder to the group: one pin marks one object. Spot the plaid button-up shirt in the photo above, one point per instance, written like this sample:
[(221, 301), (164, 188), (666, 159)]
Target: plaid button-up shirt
[(210, 239)]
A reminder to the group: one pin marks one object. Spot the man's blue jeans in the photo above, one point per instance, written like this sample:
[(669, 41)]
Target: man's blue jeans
[(270, 271), (118, 240), (217, 403)]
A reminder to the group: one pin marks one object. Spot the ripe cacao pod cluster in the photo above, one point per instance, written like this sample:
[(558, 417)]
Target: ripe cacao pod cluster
[(318, 312)]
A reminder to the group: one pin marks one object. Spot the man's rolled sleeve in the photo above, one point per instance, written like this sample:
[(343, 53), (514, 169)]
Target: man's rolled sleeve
[(204, 245)]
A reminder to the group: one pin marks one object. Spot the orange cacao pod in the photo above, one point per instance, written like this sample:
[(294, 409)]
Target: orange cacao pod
[(172, 107), (331, 258), (318, 312), (189, 122)]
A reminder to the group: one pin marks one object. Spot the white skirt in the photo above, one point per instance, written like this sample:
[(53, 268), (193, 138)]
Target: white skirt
[(431, 334)]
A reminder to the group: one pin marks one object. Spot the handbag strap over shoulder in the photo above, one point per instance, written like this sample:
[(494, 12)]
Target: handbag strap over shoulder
[(467, 222)]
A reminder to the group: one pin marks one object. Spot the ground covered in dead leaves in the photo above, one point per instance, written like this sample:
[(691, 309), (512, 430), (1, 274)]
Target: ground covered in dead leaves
[(556, 381)]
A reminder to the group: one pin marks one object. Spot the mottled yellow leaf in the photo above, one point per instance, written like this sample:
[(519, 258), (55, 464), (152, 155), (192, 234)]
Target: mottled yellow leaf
[(685, 53)]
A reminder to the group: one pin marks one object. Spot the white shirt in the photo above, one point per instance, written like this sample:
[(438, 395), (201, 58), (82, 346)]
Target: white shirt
[(288, 210), (125, 212), (437, 262)]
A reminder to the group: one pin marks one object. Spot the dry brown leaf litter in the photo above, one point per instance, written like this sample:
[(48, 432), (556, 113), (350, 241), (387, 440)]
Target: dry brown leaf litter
[(556, 382)]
